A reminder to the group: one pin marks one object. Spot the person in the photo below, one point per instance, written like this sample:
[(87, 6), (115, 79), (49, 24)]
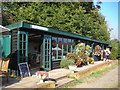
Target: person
[(108, 54), (104, 55)]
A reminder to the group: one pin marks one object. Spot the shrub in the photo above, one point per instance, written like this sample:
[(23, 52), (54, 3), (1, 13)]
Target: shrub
[(80, 47), (97, 50), (82, 56), (72, 56), (88, 50), (66, 62), (78, 62)]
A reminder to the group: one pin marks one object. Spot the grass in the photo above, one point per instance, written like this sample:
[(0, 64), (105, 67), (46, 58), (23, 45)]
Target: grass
[(114, 87), (96, 74), (74, 83)]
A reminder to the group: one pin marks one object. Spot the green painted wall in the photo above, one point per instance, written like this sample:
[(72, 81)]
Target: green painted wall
[(5, 46)]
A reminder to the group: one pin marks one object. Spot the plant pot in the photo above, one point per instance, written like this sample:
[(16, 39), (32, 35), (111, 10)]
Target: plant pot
[(72, 67), (91, 63)]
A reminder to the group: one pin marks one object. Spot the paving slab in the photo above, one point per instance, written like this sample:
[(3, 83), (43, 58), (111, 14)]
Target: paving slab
[(58, 74)]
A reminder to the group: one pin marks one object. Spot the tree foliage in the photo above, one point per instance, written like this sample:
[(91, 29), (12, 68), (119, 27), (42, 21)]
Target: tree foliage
[(115, 49), (76, 17)]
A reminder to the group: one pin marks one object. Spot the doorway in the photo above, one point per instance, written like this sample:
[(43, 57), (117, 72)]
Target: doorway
[(34, 50)]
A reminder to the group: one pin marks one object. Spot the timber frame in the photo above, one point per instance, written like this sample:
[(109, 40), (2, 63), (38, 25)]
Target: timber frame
[(46, 36)]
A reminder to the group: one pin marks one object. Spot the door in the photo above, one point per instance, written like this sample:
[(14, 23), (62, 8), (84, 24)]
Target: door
[(5, 46), (22, 47), (47, 52)]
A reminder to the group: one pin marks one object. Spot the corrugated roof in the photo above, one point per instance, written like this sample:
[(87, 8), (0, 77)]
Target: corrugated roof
[(51, 30)]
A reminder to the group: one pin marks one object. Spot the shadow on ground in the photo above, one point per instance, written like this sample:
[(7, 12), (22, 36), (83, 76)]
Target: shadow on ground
[(11, 81)]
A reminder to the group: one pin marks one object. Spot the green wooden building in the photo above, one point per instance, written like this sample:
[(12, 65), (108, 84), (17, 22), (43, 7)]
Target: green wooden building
[(40, 46)]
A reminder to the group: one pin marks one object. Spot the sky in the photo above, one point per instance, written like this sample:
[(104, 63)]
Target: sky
[(109, 9)]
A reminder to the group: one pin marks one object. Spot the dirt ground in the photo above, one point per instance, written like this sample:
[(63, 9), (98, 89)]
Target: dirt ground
[(108, 80)]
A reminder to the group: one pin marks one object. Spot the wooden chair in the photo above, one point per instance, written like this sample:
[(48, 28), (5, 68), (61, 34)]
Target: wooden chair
[(4, 62)]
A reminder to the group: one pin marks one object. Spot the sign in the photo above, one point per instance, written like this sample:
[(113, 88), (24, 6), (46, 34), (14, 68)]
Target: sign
[(24, 70), (39, 27)]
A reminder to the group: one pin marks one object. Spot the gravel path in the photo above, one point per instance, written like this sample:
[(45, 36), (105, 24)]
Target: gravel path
[(108, 80)]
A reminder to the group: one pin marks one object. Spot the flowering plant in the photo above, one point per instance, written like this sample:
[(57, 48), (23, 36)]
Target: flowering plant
[(97, 50), (88, 50), (82, 56), (91, 60), (80, 47), (78, 62), (72, 56)]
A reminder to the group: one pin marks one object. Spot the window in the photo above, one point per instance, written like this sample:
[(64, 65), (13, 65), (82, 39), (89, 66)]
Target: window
[(65, 41), (73, 45), (69, 45), (59, 48), (54, 47)]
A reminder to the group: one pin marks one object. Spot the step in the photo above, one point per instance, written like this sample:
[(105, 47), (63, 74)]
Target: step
[(63, 81)]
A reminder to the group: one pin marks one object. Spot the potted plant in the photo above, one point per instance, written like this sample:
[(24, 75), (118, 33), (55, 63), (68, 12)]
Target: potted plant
[(83, 57), (80, 47), (65, 63), (97, 52), (72, 56), (78, 62), (88, 50), (91, 60), (72, 65)]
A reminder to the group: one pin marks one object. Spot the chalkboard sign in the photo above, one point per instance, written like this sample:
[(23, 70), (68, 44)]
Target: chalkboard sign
[(24, 70)]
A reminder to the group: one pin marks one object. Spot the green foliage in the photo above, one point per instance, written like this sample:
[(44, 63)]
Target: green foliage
[(96, 74), (80, 47), (104, 70), (118, 51), (75, 17), (73, 56), (66, 62), (115, 53), (91, 60), (82, 56), (88, 50), (97, 50)]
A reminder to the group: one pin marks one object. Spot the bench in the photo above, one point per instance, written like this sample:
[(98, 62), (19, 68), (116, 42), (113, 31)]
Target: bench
[(4, 62)]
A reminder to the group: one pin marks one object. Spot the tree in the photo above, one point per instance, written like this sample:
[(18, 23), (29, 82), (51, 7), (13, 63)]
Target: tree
[(76, 17), (115, 50)]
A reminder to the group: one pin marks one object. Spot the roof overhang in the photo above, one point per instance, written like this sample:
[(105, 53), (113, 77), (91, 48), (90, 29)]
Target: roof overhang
[(50, 30), (3, 29)]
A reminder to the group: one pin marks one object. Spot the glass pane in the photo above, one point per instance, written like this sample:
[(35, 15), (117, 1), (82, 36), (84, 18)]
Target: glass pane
[(20, 45), (24, 52), (24, 45), (20, 53), (69, 45), (24, 37), (20, 37), (54, 47), (65, 46), (73, 46), (59, 48)]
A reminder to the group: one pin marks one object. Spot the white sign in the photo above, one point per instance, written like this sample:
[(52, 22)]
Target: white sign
[(39, 27)]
